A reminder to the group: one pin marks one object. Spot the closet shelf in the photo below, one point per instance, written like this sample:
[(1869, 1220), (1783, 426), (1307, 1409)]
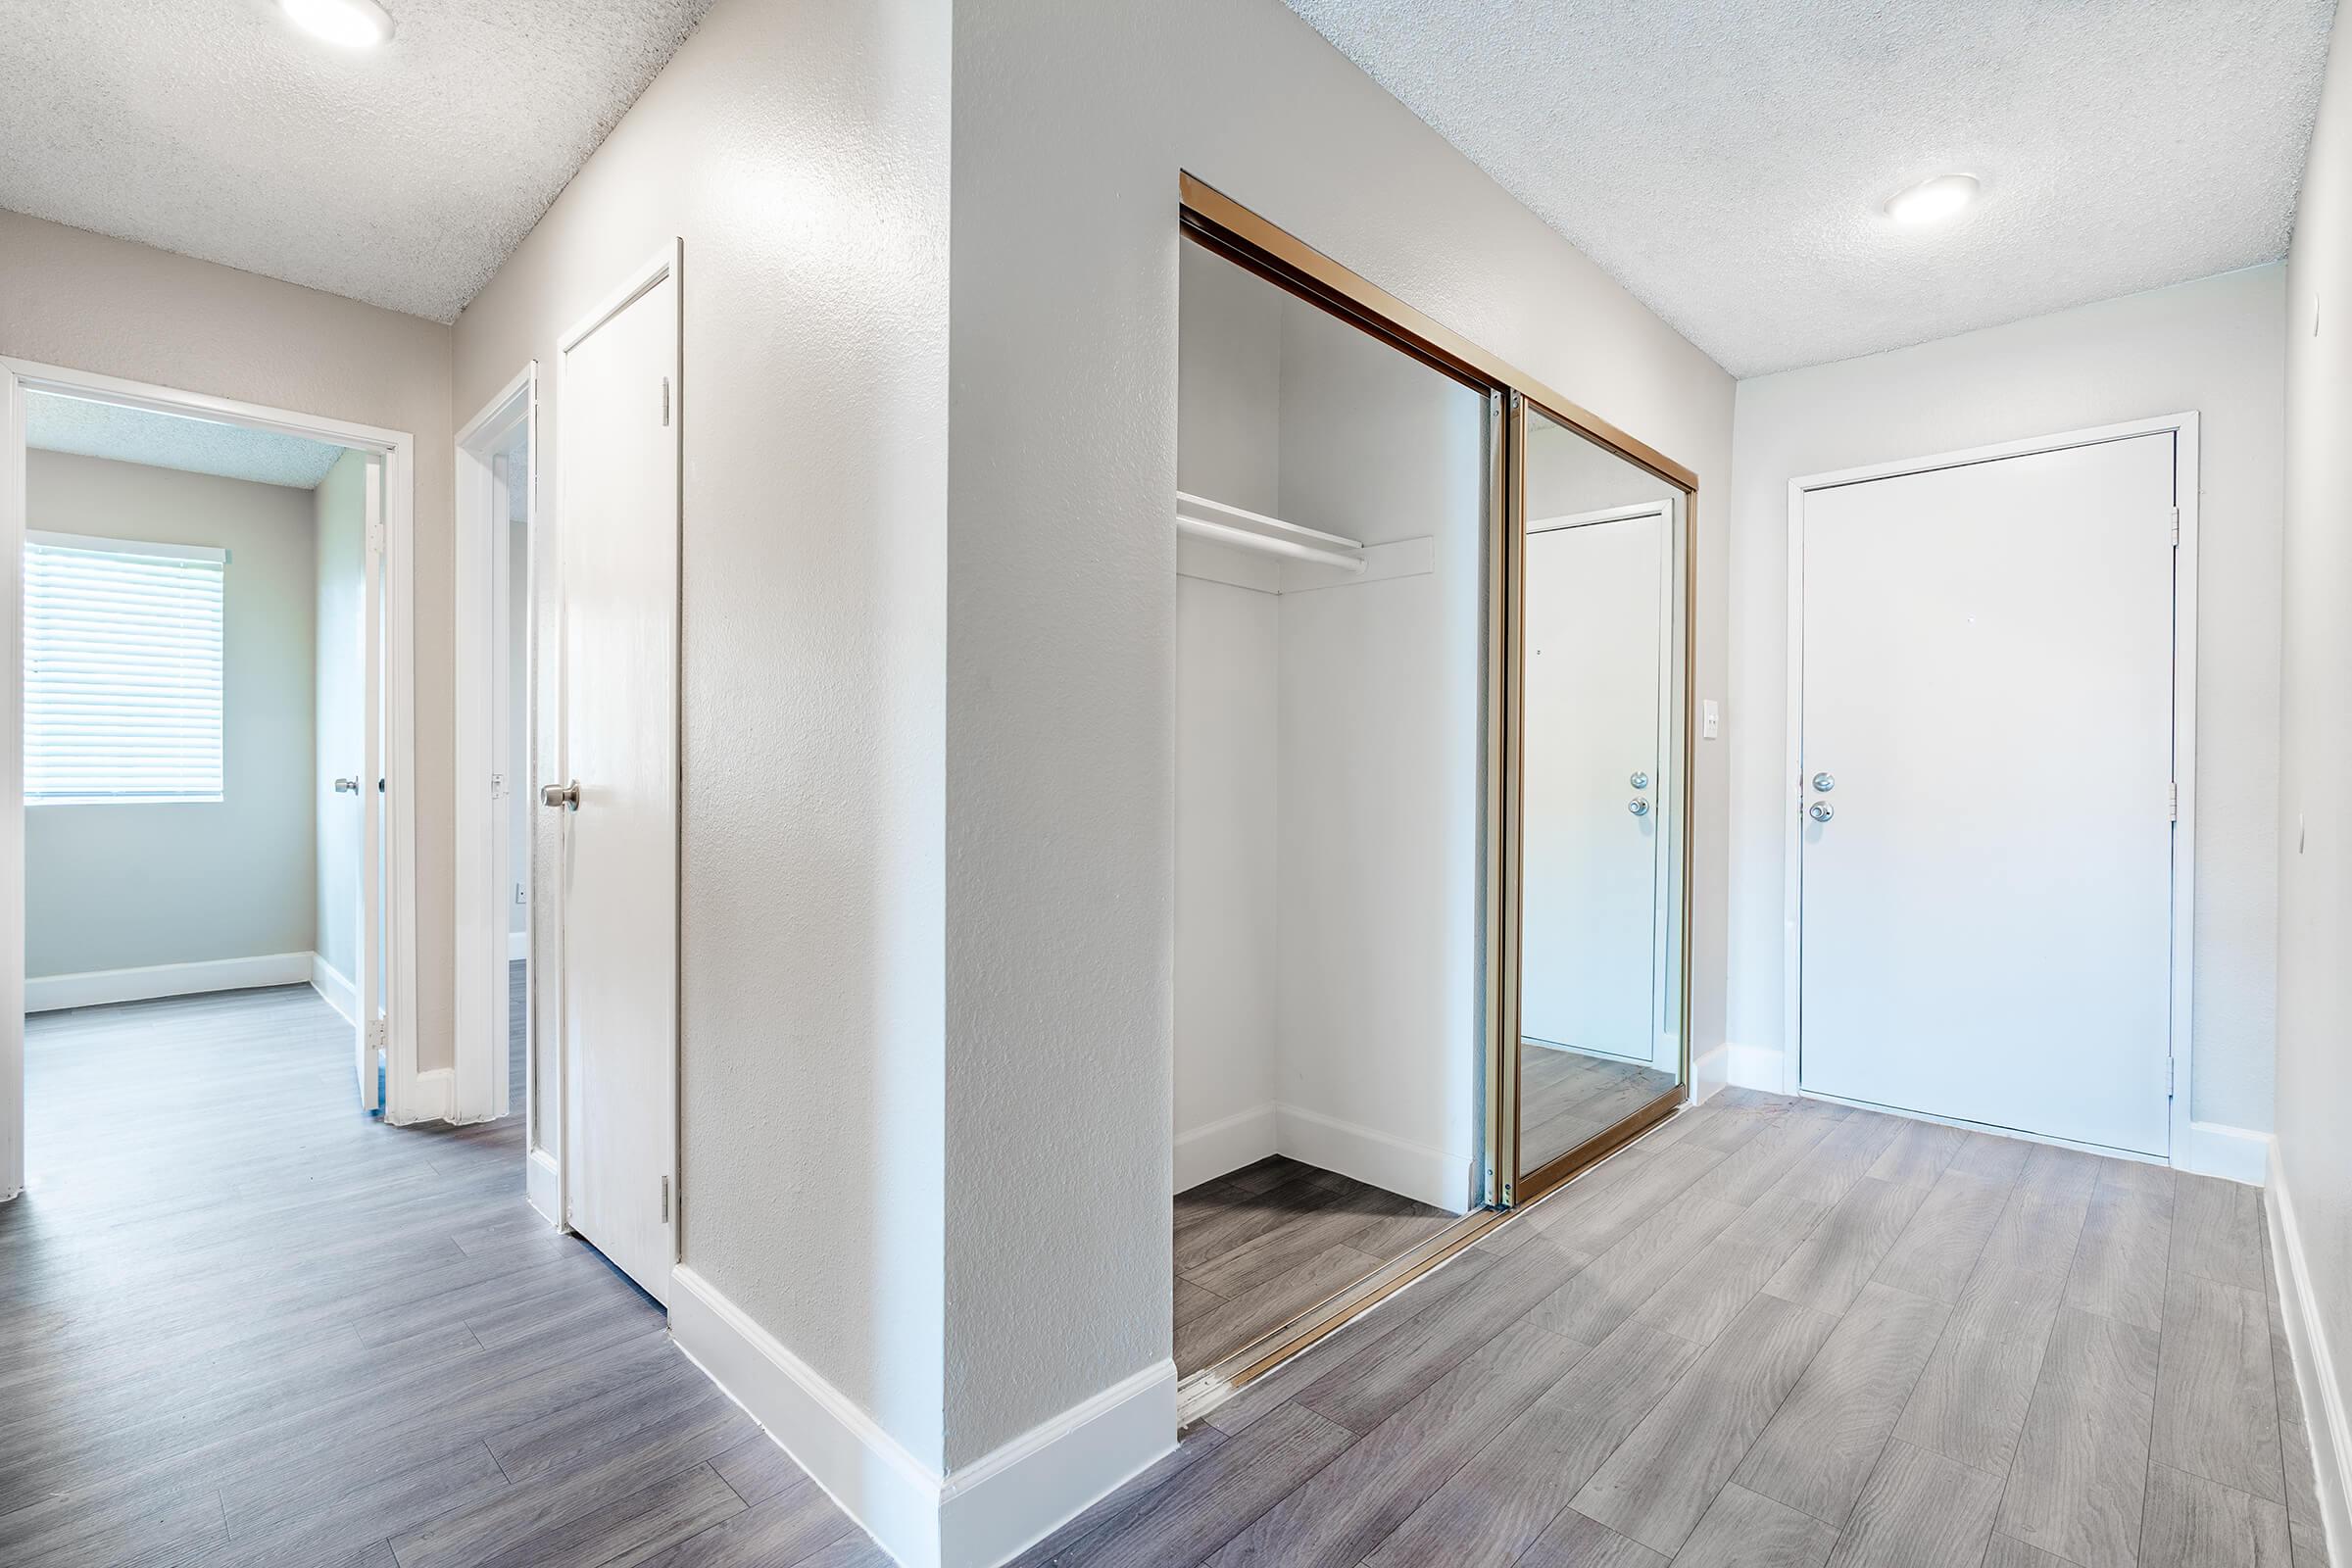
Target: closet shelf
[(1222, 524)]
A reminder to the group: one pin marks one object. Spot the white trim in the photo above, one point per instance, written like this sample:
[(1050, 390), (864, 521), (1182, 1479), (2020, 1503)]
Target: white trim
[(2185, 487), (149, 550), (519, 947), (982, 1514), (397, 449), (2234, 1153), (435, 1096), (1414, 1170), (539, 1182), (2324, 1417), (1750, 1067), (335, 988), (94, 988), (483, 887), (1227, 1143)]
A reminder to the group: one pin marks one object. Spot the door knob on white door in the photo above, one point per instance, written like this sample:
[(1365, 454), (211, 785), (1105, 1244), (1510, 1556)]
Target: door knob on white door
[(347, 786), (1638, 806), (1823, 782), (1821, 811), (568, 796)]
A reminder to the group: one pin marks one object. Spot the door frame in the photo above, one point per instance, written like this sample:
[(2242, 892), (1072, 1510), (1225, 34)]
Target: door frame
[(1673, 792), (666, 263), (483, 1089), (409, 1096), (2182, 427)]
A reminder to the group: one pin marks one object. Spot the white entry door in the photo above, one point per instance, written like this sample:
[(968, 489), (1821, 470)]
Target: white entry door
[(1600, 598), (1986, 765), (618, 533), (369, 1023)]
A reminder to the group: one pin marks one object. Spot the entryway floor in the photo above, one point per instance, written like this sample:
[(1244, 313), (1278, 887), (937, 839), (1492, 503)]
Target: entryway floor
[(242, 1323), (1781, 1332)]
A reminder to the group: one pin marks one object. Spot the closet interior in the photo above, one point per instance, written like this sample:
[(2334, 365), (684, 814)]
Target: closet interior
[(1328, 1056)]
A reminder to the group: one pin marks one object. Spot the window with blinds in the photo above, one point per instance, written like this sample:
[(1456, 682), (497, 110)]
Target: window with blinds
[(123, 646)]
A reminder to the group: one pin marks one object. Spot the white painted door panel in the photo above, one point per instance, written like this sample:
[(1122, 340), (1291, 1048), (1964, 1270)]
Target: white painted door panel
[(618, 534), (1598, 607), (1986, 680)]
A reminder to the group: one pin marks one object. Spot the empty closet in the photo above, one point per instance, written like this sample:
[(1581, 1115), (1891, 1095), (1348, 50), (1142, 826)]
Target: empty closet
[(1331, 497)]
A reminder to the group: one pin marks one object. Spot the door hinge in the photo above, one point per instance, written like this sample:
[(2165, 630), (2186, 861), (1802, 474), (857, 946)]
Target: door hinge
[(2171, 1067), (376, 537), (665, 1199), (498, 786), (2175, 528), (665, 402), (2172, 794), (375, 1034)]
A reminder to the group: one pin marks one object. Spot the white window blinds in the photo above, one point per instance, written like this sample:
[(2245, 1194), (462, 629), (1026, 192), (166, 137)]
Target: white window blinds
[(122, 669)]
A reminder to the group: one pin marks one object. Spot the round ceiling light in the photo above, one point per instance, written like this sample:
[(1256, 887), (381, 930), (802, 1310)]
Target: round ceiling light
[(1932, 200), (351, 24)]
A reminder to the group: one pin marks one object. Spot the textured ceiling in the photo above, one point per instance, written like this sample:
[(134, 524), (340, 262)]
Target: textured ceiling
[(400, 175), (1728, 163), (54, 423)]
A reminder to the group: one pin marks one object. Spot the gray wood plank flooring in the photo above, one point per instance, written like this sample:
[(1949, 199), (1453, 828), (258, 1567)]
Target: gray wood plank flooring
[(243, 1324), (1257, 1247), (1855, 1340)]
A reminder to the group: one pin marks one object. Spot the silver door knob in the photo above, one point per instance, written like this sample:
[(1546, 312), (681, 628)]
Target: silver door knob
[(1639, 781), (347, 786), (568, 796), (1638, 806), (1821, 810), (1823, 782)]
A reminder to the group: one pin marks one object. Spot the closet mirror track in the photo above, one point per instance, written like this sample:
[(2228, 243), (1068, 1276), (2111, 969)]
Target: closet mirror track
[(1432, 728)]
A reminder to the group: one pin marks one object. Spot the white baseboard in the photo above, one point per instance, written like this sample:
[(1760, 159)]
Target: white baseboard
[(1209, 1152), (2322, 1392), (1414, 1170), (982, 1514), (1758, 1067), (539, 1186), (336, 987), (518, 945), (2231, 1152), (96, 987)]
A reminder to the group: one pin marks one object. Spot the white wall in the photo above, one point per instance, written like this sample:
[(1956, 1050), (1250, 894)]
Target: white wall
[(77, 299), (798, 148), (1379, 802), (124, 886), (2212, 346), (1228, 943), (339, 520), (1070, 125), (2313, 1171)]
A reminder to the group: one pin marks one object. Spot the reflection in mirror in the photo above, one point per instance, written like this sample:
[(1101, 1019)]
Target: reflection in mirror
[(1602, 785)]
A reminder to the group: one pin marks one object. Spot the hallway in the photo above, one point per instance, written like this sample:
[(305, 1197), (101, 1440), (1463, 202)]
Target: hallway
[(250, 1326)]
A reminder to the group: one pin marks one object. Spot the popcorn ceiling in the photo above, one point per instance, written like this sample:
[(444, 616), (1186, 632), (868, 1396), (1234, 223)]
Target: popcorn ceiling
[(400, 175), (54, 423), (1728, 161)]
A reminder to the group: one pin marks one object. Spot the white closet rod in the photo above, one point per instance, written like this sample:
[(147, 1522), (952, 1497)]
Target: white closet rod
[(1220, 524)]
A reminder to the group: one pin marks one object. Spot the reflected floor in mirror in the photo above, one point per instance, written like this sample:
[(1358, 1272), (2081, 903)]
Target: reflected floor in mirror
[(1258, 1245), (1566, 1097)]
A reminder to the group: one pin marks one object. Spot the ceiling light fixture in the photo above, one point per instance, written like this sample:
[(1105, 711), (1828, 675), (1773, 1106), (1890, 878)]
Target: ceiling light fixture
[(1932, 200), (351, 24)]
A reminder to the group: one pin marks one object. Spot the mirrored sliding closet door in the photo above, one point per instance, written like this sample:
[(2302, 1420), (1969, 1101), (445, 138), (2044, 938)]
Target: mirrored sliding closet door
[(1600, 645)]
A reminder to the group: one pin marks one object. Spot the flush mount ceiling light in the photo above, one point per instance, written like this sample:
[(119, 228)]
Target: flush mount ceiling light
[(1932, 200), (352, 24)]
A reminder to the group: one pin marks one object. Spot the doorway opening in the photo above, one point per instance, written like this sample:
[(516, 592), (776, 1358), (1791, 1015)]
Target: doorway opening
[(206, 742)]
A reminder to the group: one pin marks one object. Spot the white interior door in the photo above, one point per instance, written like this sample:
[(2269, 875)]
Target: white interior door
[(1600, 609), (618, 542), (369, 1029), (1986, 726)]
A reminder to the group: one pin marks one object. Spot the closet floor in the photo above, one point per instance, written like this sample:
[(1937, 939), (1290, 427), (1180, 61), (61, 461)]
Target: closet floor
[(1566, 1097), (1258, 1245)]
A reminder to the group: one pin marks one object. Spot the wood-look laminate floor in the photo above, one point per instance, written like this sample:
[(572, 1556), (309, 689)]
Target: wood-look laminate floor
[(1566, 1097), (1258, 1245), (1780, 1332), (242, 1323)]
